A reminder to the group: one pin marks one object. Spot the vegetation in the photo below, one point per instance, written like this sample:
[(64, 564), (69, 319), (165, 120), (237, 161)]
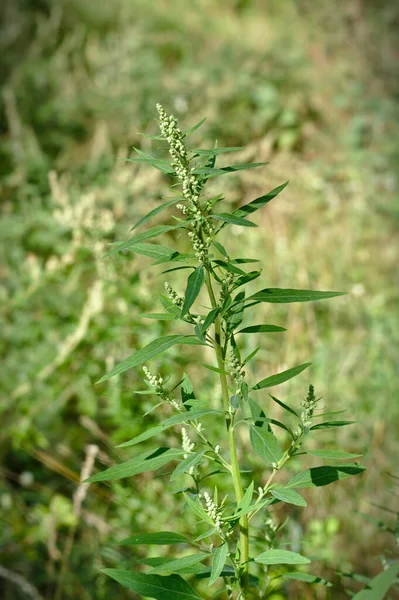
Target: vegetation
[(80, 82)]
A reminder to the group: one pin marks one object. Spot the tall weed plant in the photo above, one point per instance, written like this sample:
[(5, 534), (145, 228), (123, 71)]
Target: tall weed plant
[(236, 548)]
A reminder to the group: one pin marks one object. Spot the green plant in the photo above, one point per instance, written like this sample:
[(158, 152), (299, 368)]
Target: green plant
[(220, 282)]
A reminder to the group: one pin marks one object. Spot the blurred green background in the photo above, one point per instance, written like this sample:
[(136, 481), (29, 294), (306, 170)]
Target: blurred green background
[(310, 86)]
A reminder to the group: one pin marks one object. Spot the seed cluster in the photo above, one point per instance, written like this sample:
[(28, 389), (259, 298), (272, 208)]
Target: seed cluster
[(227, 282), (174, 296), (235, 370), (187, 445), (213, 511), (201, 226), (309, 406)]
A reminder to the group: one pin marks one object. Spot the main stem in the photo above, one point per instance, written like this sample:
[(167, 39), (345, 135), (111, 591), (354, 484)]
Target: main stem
[(235, 468)]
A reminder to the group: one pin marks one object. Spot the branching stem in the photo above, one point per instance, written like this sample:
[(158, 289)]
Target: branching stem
[(235, 468)]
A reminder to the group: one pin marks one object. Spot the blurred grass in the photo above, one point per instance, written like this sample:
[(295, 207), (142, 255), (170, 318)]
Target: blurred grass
[(308, 88)]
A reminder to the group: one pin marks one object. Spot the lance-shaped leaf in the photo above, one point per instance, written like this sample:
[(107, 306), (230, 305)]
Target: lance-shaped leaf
[(245, 502), (197, 509), (378, 587), (332, 454), (175, 566), (161, 538), (262, 329), (157, 561), (153, 251), (194, 127), (283, 296), (147, 461), (213, 172), (281, 557), (218, 561), (191, 461), (332, 424), (233, 219), (320, 476), (216, 151), (155, 211), (146, 235), (235, 319), (265, 444), (154, 586), (285, 406), (148, 352), (289, 496), (298, 576), (194, 284), (159, 163), (280, 377), (255, 205), (185, 417)]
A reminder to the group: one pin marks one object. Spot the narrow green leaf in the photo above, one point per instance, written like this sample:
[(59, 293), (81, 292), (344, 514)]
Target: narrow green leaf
[(265, 444), (320, 476), (147, 461), (217, 151), (191, 461), (262, 329), (154, 586), (228, 267), (280, 377), (234, 320), (243, 279), (281, 557), (161, 538), (177, 565), (160, 164), (289, 496), (154, 212), (209, 319), (332, 424), (195, 127), (234, 220), (159, 316), (152, 250), (245, 501), (197, 509), (146, 235), (212, 172), (378, 587), (194, 284), (285, 406), (185, 417), (145, 354), (298, 576), (187, 390), (214, 369), (156, 561), (250, 356), (218, 561), (283, 296), (334, 454), (259, 202)]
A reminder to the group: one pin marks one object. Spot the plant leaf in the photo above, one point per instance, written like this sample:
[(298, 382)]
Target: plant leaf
[(189, 415), (146, 235), (334, 454), (218, 561), (161, 538), (298, 576), (332, 424), (197, 509), (265, 444), (289, 496), (325, 475), (216, 151), (145, 354), (283, 296), (159, 316), (175, 566), (147, 461), (378, 587), (212, 172), (153, 250), (245, 501), (280, 377), (259, 202), (285, 406), (186, 464), (281, 557), (195, 127), (194, 284), (154, 586), (234, 220), (155, 211), (262, 329)]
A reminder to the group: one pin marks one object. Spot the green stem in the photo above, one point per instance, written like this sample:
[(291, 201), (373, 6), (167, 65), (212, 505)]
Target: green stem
[(235, 468)]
